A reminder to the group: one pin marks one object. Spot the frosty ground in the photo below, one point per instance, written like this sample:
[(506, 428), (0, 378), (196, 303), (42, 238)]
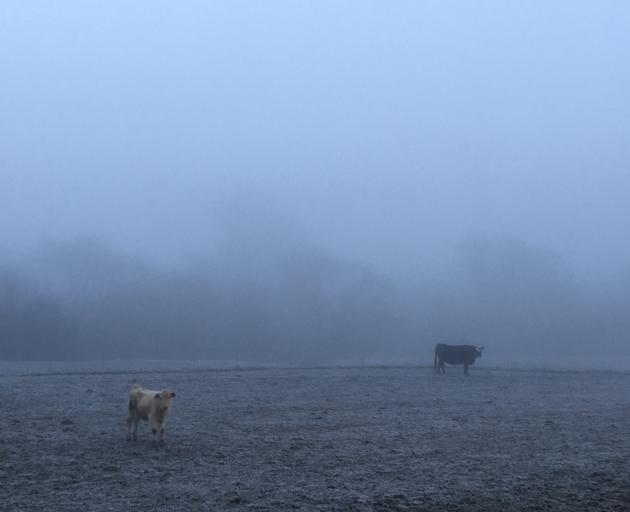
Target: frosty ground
[(320, 439)]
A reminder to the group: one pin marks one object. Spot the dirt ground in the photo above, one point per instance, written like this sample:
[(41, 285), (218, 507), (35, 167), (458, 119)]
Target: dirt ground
[(357, 439)]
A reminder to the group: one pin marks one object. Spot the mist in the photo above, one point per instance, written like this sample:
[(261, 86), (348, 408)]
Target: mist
[(305, 184)]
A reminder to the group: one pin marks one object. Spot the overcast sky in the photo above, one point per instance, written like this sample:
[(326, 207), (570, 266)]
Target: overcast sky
[(389, 133)]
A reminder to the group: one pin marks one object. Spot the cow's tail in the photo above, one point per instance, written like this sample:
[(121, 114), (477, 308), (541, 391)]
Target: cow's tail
[(133, 399), (132, 403)]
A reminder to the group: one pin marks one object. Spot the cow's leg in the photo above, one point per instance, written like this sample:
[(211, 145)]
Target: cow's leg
[(132, 419), (132, 426), (154, 429), (465, 369), (157, 430), (129, 424), (442, 366), (161, 441)]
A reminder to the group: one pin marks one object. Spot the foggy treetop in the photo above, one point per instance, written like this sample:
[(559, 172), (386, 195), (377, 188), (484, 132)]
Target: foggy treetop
[(314, 182)]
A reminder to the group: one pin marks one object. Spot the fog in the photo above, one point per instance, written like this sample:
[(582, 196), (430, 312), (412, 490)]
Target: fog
[(315, 183)]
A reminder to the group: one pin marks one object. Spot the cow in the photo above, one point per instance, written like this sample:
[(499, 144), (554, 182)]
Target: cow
[(455, 354), (153, 406)]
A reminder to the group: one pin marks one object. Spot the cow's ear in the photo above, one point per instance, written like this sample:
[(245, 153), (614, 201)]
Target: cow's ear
[(173, 394), (157, 395)]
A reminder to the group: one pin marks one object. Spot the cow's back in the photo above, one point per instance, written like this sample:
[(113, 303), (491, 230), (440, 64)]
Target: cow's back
[(456, 354), (141, 399)]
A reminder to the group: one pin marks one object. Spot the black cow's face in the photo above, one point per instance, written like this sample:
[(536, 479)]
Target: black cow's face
[(479, 349)]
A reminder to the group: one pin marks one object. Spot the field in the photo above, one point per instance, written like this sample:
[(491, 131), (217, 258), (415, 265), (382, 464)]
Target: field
[(320, 439)]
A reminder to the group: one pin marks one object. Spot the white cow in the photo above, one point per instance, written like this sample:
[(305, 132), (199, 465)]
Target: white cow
[(145, 404)]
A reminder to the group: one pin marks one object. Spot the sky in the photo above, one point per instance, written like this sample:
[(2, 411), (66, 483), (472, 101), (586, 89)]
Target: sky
[(390, 134)]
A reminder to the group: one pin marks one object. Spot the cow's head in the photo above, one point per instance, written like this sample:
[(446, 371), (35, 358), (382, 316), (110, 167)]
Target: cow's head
[(479, 350), (165, 398)]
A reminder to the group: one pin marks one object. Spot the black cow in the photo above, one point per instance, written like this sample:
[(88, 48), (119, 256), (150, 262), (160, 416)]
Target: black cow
[(455, 354)]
